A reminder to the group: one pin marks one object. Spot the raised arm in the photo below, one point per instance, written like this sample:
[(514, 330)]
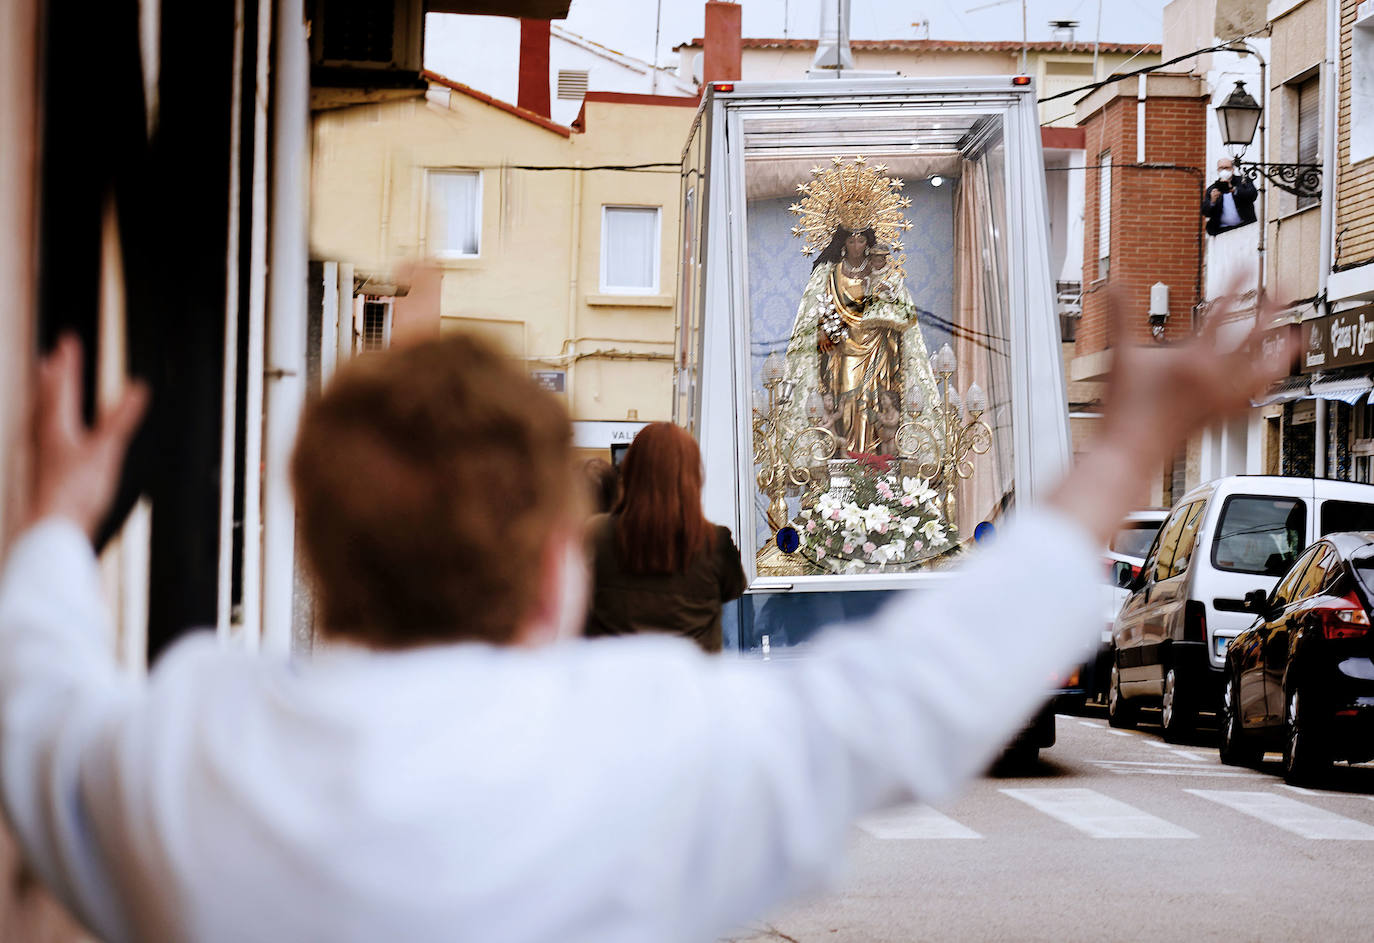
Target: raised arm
[(60, 690), (925, 694)]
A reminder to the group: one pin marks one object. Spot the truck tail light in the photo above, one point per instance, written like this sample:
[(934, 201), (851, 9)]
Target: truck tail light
[(1195, 621), (1345, 618)]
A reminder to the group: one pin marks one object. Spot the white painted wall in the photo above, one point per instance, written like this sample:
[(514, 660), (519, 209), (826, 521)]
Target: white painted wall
[(484, 52)]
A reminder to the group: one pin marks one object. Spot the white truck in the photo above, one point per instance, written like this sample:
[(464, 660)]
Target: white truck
[(868, 346)]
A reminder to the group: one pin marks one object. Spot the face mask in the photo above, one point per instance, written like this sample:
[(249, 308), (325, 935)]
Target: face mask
[(1224, 175)]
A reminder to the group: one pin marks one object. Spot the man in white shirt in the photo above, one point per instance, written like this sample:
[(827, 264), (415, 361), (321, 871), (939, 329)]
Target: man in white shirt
[(1229, 201), (450, 767)]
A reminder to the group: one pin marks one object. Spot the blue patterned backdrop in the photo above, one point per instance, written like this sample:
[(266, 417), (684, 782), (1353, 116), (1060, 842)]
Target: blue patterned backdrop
[(778, 271)]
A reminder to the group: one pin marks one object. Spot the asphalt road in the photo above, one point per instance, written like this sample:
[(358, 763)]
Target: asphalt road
[(1114, 835)]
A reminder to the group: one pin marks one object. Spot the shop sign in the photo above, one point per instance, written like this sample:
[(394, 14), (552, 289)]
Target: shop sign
[(590, 434), (1338, 340)]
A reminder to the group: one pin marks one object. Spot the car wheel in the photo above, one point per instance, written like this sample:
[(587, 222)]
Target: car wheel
[(1235, 748), (1305, 756), (1121, 713), (1176, 712)]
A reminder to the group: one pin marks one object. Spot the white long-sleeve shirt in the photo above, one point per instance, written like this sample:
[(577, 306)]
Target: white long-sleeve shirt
[(618, 790)]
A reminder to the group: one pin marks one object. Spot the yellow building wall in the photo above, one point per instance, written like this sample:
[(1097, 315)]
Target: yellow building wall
[(535, 285), (1057, 72)]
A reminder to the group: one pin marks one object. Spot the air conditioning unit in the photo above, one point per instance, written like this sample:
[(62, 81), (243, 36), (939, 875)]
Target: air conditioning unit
[(367, 34)]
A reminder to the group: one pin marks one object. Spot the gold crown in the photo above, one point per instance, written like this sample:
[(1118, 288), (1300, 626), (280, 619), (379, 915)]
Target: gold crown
[(852, 196)]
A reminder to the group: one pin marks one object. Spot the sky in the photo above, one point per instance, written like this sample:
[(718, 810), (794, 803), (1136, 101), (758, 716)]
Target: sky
[(628, 25)]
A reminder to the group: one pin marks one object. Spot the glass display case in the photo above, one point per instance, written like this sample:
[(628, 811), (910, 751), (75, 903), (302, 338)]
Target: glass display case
[(868, 349)]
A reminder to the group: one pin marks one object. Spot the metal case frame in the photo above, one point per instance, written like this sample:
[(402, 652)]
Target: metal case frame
[(1039, 406)]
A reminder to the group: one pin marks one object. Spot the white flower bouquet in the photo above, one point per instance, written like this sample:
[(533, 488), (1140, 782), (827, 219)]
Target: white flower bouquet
[(875, 524)]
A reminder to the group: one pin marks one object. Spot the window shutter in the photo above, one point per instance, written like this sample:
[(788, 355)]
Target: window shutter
[(1309, 128), (1309, 120)]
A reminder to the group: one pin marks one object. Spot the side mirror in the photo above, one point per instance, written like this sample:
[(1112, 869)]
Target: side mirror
[(1121, 573), (1257, 601)]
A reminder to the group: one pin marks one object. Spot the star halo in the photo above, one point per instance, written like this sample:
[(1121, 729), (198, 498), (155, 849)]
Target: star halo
[(855, 195)]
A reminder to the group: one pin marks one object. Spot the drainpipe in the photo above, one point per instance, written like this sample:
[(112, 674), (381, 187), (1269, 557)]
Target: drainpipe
[(1330, 82), (574, 270), (229, 394), (286, 326), (257, 332), (1262, 248)]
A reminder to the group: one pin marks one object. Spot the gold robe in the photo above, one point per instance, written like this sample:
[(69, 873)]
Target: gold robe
[(862, 365)]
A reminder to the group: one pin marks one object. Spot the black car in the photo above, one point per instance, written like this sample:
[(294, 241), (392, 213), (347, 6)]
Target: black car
[(1301, 678)]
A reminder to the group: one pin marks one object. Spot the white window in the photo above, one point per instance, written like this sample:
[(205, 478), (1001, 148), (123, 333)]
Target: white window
[(455, 213), (630, 249), (1362, 85), (376, 327), (1104, 214)]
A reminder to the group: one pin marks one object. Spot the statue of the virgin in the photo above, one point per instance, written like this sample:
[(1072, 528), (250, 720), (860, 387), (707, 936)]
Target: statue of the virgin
[(856, 344)]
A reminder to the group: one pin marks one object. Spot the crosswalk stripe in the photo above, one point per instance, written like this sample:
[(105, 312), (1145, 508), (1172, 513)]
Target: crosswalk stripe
[(1090, 723), (913, 822), (1097, 815), (1309, 821), (1158, 763)]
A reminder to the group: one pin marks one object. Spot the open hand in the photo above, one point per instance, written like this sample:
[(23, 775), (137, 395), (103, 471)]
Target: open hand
[(1157, 398), (75, 468)]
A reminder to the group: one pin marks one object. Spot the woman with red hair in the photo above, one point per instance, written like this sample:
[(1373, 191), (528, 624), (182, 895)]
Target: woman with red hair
[(658, 565)]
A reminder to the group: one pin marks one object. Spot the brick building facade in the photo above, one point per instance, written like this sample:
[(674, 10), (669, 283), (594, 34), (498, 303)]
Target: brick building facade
[(1147, 230), (1145, 149)]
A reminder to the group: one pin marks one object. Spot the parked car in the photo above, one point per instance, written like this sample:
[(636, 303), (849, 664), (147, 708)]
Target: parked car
[(1301, 678), (1222, 540), (1128, 545)]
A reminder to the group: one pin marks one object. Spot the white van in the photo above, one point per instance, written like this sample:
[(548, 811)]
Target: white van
[(1222, 540)]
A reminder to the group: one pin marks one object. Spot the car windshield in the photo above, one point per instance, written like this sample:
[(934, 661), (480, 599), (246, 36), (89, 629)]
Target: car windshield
[(1346, 515), (1259, 535), (1133, 539)]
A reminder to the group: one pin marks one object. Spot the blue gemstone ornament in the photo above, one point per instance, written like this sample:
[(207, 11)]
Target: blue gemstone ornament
[(788, 540)]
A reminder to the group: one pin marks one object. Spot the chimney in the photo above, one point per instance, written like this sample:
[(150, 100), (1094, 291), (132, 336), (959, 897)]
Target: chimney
[(1063, 30), (724, 53), (832, 49), (534, 67)]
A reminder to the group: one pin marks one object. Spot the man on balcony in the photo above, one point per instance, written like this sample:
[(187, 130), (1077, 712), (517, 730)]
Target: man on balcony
[(1229, 202)]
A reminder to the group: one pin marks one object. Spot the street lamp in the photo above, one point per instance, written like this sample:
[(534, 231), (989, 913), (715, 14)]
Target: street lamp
[(1239, 115)]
